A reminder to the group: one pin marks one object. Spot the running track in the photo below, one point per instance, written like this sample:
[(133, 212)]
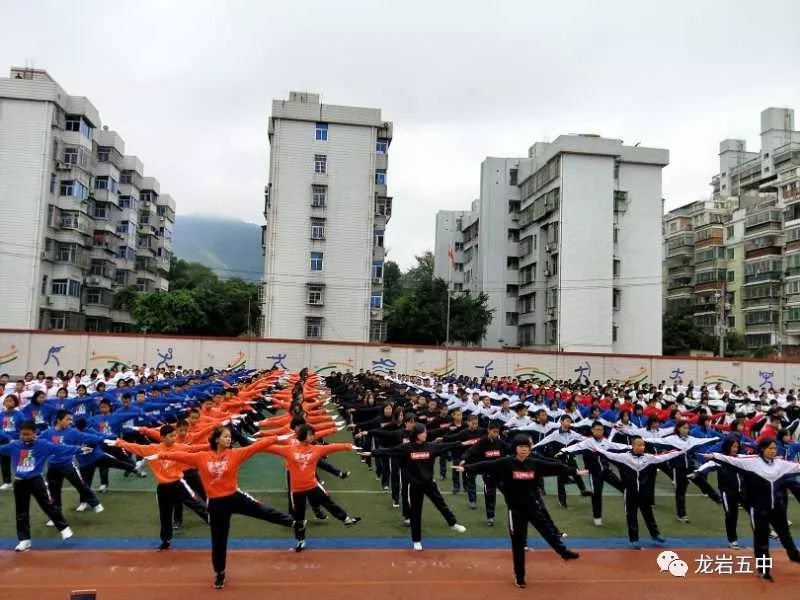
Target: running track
[(343, 574)]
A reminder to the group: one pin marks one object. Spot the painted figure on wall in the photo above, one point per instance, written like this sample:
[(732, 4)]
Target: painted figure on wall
[(487, 368), (278, 361), (584, 372), (165, 358), (53, 353)]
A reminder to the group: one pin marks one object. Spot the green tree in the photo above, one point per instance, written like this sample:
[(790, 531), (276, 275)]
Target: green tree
[(392, 281), (167, 312), (681, 334)]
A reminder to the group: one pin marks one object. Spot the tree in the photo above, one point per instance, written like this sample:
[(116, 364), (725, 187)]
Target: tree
[(167, 312), (392, 281), (418, 313), (681, 334)]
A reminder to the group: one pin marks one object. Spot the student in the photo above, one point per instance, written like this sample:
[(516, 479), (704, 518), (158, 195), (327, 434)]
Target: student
[(28, 458), (10, 421), (637, 471), (731, 487), (172, 491), (764, 478), (302, 456), (219, 472), (598, 467), (554, 442), (516, 476), (488, 447), (417, 458)]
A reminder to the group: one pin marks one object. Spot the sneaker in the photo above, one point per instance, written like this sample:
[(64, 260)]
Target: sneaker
[(598, 522), (570, 555), (659, 539), (219, 581), (81, 507), (395, 505), (635, 546), (164, 546), (734, 546), (765, 577), (350, 521), (772, 534), (66, 533), (50, 524), (177, 525), (564, 534), (407, 522), (385, 488), (789, 523), (417, 546), (344, 475), (683, 519), (458, 528), (23, 546), (103, 488), (562, 502), (490, 522), (6, 486), (520, 583), (473, 505), (320, 516), (98, 509), (300, 546), (586, 494)]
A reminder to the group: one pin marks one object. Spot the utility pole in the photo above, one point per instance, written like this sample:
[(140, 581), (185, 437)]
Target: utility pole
[(780, 321)]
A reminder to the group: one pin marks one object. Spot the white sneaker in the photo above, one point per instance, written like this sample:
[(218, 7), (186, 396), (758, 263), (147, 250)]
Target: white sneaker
[(81, 507), (734, 546), (458, 528), (66, 533), (23, 546), (99, 508), (598, 522), (417, 546), (103, 488), (49, 524), (6, 486)]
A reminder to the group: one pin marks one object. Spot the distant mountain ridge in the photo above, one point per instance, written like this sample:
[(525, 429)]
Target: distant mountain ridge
[(231, 248)]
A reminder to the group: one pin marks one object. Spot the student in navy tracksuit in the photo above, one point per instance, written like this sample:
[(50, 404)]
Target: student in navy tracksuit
[(516, 476), (10, 421), (28, 458), (764, 479), (59, 469), (488, 447)]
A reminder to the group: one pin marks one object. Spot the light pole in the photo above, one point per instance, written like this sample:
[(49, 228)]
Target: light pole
[(721, 325)]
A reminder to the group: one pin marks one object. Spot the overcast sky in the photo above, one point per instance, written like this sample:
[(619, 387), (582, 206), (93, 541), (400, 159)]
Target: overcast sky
[(188, 84)]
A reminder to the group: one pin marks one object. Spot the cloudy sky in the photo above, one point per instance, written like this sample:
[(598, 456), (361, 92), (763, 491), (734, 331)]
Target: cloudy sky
[(188, 84)]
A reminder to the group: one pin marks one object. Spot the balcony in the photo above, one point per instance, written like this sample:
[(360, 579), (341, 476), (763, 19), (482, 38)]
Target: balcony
[(59, 303), (121, 316), (762, 276), (97, 310), (78, 259), (105, 226), (79, 223), (378, 253), (383, 207), (786, 152), (527, 318)]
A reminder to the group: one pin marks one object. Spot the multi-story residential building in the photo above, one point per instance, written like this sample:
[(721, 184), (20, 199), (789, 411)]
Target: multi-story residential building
[(745, 244), (326, 209), (70, 199), (585, 214), (493, 223), (449, 239)]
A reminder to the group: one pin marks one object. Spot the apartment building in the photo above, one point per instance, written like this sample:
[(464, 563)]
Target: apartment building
[(82, 220), (326, 208), (578, 245), (748, 243)]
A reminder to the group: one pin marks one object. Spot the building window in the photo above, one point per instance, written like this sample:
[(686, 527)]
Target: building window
[(317, 229), (321, 132), (512, 176), (533, 301), (126, 177), (381, 146), (457, 287), (729, 231), (380, 176), (459, 246), (319, 196), (316, 295), (376, 300), (512, 262), (320, 164), (731, 275), (94, 296), (44, 284), (614, 333), (73, 188), (316, 261), (377, 270), (78, 124), (59, 287), (616, 267), (512, 318), (379, 238), (513, 235), (617, 299), (313, 327), (123, 227), (106, 183), (730, 253), (58, 320), (52, 183), (513, 207), (71, 156), (128, 202), (511, 290), (103, 154)]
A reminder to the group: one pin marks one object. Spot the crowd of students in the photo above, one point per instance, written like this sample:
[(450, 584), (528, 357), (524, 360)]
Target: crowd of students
[(513, 434)]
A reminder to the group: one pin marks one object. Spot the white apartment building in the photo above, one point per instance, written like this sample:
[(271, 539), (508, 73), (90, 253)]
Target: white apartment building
[(81, 219), (588, 260), (492, 223), (326, 209)]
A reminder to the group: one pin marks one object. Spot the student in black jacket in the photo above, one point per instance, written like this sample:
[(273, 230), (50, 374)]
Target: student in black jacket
[(418, 458), (764, 480), (488, 447), (516, 476), (469, 436)]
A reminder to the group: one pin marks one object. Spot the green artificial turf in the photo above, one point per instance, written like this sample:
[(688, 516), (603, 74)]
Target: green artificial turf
[(131, 510)]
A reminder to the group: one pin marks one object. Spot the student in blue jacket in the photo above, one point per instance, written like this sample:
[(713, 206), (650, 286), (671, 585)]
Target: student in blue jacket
[(28, 458)]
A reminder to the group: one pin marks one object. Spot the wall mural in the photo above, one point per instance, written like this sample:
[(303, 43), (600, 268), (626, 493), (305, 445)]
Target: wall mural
[(532, 373), (383, 365), (338, 365), (53, 353), (165, 357), (487, 368), (238, 361), (9, 356), (277, 361)]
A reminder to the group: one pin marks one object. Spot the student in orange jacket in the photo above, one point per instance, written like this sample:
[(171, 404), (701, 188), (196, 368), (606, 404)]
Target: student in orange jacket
[(301, 457), (219, 472), (172, 490)]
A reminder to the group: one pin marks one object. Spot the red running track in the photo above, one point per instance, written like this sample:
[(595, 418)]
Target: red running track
[(376, 574)]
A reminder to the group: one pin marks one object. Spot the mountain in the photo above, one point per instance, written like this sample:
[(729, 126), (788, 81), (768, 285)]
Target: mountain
[(232, 248)]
